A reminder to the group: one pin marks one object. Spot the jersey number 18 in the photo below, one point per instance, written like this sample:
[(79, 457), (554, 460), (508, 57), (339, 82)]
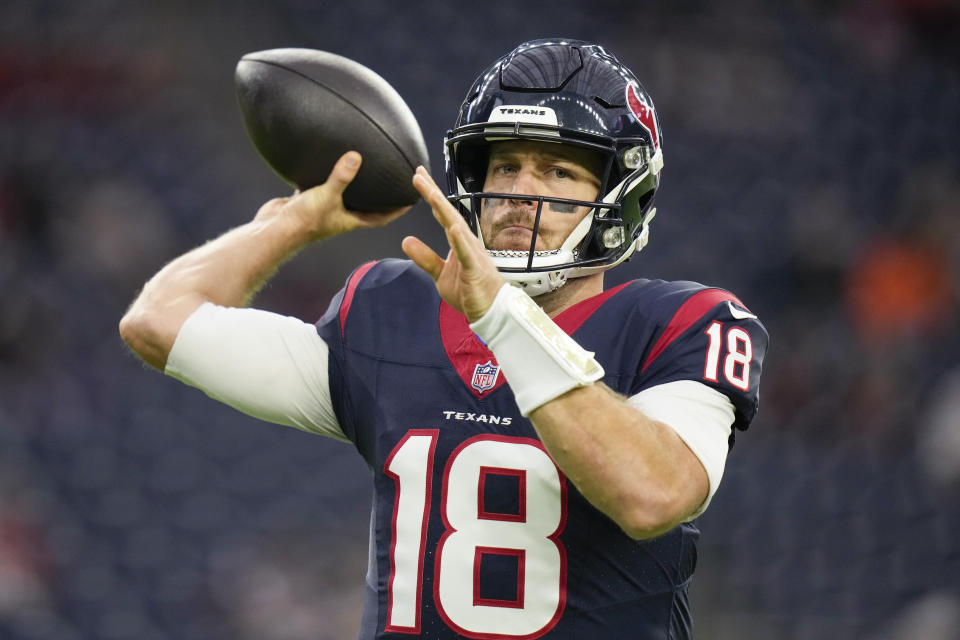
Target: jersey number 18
[(530, 536)]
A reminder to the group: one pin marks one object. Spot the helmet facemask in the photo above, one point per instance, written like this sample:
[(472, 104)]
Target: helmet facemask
[(604, 237)]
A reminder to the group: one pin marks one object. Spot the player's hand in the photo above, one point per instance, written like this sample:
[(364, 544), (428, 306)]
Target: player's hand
[(467, 279), (319, 211)]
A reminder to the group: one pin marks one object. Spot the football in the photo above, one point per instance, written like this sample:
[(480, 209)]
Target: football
[(304, 108)]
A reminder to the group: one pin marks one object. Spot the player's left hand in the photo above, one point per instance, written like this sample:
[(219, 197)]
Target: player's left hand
[(467, 279)]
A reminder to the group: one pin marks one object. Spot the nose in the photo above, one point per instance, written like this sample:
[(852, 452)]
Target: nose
[(525, 184)]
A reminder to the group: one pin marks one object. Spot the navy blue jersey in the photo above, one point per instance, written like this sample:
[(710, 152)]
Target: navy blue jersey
[(475, 532)]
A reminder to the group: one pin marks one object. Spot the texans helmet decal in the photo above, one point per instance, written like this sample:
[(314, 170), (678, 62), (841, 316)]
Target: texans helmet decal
[(643, 112)]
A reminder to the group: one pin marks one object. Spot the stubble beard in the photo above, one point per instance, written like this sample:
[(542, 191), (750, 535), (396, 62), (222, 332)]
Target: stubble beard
[(513, 217)]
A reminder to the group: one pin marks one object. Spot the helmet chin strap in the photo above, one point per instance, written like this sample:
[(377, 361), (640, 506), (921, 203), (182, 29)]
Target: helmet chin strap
[(534, 283), (537, 283)]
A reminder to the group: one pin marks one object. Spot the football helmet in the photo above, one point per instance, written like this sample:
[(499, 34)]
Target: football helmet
[(574, 93)]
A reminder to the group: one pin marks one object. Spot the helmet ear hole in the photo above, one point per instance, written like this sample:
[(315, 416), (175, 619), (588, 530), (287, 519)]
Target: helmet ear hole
[(643, 201), (473, 158), (637, 201)]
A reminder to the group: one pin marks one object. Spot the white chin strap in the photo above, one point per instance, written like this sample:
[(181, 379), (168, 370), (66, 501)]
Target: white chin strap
[(535, 283)]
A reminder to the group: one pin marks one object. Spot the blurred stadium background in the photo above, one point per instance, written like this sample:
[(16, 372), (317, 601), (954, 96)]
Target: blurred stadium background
[(812, 166)]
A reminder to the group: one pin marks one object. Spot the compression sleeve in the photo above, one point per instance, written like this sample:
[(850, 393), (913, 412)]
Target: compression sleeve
[(701, 416), (266, 365)]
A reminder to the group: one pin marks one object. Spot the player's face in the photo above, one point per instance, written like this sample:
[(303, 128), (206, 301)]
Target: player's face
[(529, 168)]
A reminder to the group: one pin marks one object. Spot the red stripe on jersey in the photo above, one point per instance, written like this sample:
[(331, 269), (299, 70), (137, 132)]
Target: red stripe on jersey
[(465, 350), (686, 316), (571, 319), (351, 289)]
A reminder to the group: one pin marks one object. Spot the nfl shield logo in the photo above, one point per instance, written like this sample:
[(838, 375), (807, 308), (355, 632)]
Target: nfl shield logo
[(485, 376)]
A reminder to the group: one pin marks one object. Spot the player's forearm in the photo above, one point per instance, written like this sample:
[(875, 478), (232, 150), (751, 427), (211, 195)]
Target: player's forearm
[(636, 470), (227, 271)]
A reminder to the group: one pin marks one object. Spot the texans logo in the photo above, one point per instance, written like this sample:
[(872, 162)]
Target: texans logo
[(643, 112)]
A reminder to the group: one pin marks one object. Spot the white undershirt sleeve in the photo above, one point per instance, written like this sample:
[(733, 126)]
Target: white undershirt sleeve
[(701, 416), (266, 365)]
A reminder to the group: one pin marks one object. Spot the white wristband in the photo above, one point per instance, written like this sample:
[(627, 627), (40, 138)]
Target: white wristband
[(539, 360)]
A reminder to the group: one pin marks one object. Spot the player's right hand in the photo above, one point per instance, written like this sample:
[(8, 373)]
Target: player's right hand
[(319, 211)]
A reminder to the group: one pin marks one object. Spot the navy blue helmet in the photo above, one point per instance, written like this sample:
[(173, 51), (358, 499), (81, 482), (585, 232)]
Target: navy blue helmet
[(574, 93)]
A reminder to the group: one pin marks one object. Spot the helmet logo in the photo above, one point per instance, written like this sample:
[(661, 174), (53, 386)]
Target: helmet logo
[(523, 113), (643, 112)]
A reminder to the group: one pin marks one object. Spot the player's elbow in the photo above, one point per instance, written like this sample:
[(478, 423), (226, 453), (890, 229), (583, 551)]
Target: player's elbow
[(139, 329), (653, 514)]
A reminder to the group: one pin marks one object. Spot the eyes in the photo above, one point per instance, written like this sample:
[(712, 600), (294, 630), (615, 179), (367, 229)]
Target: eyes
[(551, 172)]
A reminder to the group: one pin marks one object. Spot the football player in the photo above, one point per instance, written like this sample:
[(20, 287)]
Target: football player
[(540, 445)]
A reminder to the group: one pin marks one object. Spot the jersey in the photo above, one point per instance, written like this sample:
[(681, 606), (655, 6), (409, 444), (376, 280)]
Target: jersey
[(475, 532)]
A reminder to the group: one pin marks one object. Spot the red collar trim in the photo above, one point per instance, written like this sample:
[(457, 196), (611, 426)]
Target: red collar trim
[(468, 354)]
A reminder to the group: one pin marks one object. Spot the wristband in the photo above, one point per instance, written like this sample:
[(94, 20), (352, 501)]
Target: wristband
[(539, 360)]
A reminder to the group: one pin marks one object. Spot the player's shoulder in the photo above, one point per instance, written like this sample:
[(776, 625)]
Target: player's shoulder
[(390, 283), (387, 272), (383, 288), (674, 312), (663, 291), (706, 334), (662, 300)]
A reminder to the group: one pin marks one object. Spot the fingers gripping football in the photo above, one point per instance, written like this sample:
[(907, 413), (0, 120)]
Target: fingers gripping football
[(467, 278), (320, 211)]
